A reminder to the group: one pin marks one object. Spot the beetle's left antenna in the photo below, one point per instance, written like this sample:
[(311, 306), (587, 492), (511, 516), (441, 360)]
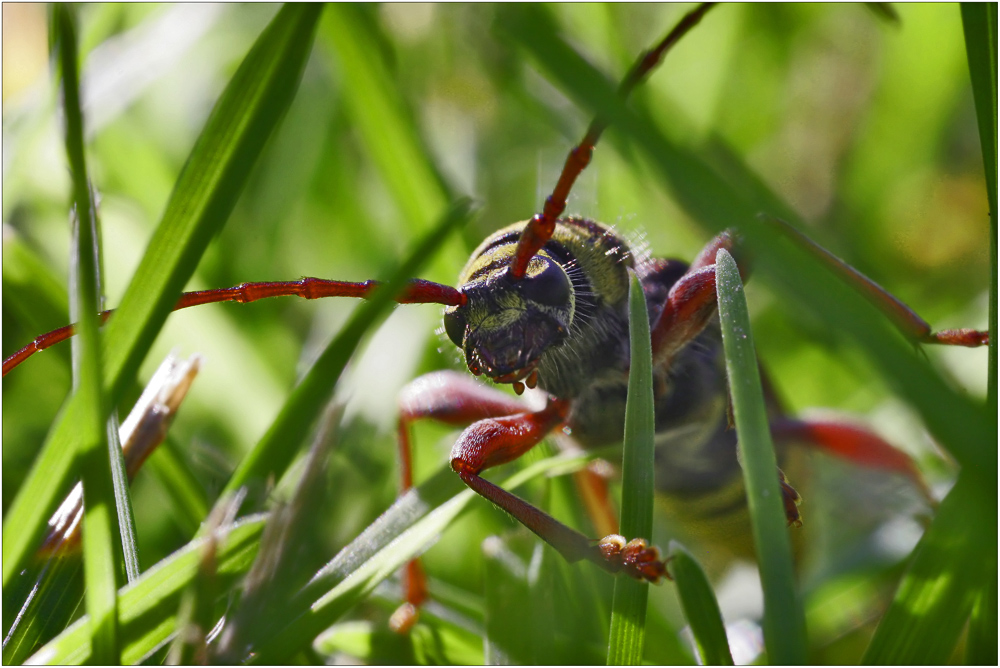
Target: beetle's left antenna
[(540, 228)]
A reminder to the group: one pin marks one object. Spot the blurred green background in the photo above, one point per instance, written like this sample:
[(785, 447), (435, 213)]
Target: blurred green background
[(864, 126)]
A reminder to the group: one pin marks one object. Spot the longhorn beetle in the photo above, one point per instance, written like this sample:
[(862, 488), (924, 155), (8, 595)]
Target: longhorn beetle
[(540, 304)]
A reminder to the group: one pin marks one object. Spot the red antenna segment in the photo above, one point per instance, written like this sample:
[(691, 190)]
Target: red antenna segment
[(418, 291), (540, 228)]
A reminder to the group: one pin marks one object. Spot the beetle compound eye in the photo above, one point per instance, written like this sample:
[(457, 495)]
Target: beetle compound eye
[(549, 287), (454, 326)]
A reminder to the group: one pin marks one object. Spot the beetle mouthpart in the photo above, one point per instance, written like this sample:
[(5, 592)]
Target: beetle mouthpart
[(528, 375), (518, 387)]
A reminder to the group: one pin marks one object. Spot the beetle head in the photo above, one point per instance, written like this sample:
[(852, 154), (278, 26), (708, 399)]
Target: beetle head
[(505, 326)]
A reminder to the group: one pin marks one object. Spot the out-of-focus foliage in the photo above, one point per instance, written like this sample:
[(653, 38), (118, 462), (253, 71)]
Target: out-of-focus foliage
[(866, 128)]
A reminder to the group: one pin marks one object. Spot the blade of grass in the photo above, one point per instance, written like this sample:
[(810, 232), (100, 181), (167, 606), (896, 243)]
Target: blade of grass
[(148, 607), (276, 450), (52, 597), (281, 569), (207, 189), (979, 22), (386, 125), (784, 618), (628, 607), (950, 564), (171, 470), (196, 614), (100, 556), (123, 500), (700, 607), (401, 533), (981, 646), (511, 627), (51, 604)]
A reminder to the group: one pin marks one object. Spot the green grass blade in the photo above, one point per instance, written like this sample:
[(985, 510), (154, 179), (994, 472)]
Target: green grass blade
[(278, 571), (700, 608), (784, 618), (401, 533), (940, 587), (979, 21), (217, 169), (628, 607), (57, 594), (100, 526), (385, 124), (148, 607), (275, 451), (981, 648), (196, 614), (178, 482), (123, 501), (380, 117)]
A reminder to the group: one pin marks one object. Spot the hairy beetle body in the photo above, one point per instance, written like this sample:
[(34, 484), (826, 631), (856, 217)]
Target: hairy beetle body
[(697, 467)]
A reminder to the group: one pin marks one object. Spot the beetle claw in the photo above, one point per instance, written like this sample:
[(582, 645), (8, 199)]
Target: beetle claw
[(636, 558)]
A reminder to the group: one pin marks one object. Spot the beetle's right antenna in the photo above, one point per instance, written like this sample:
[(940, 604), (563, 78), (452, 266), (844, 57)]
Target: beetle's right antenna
[(540, 228), (417, 291)]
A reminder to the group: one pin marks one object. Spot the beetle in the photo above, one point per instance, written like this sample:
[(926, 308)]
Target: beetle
[(542, 273)]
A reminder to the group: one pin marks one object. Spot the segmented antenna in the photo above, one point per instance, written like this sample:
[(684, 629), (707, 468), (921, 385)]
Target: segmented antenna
[(418, 291), (540, 228)]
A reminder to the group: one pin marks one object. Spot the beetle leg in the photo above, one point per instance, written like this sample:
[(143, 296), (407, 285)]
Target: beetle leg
[(852, 443), (592, 484), (452, 398), (495, 441), (691, 302), (690, 306), (725, 239), (791, 500)]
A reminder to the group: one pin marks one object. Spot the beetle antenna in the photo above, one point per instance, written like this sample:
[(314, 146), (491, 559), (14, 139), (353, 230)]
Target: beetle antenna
[(417, 291), (540, 228)]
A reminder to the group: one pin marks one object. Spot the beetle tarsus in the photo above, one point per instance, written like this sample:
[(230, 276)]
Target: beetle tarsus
[(635, 558)]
